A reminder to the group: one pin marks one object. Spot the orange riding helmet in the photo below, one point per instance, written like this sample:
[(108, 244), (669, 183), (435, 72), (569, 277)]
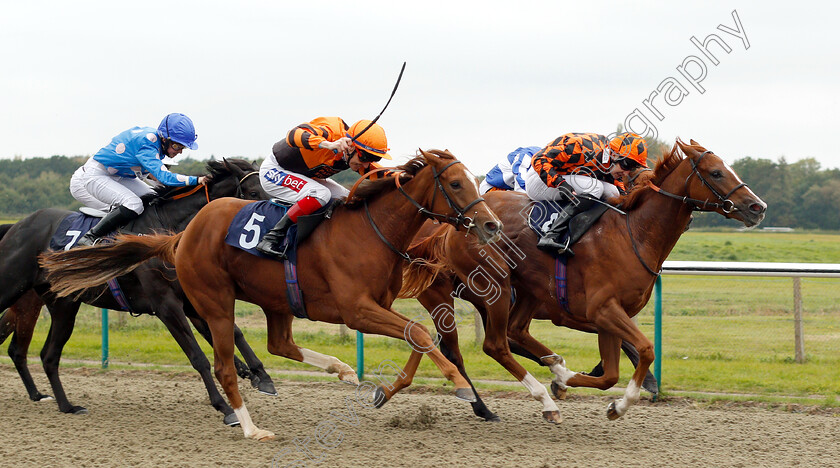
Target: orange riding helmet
[(629, 145), (372, 141)]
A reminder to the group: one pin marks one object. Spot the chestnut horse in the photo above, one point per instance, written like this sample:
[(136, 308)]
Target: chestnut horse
[(609, 280), (350, 268)]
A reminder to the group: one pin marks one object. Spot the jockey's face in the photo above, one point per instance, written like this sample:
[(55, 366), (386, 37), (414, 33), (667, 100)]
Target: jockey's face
[(619, 173), (355, 164), (174, 149)]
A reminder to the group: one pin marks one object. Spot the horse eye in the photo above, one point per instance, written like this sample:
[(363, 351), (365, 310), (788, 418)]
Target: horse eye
[(455, 185), (717, 174)]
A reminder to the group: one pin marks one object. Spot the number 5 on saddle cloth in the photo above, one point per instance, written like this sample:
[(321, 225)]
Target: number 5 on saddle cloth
[(254, 220)]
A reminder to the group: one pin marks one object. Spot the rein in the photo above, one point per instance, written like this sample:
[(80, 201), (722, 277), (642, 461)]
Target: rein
[(726, 205), (461, 220)]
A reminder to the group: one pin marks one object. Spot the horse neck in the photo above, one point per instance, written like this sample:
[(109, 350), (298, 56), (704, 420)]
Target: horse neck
[(396, 217), (659, 221)]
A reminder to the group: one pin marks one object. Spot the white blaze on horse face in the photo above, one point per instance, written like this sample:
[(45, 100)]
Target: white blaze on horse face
[(472, 178), (539, 392)]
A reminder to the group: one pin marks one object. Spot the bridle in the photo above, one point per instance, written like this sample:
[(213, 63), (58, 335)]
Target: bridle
[(462, 220), (726, 205), (239, 192)]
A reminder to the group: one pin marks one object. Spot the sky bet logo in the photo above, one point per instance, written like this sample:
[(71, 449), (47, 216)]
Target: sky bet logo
[(282, 179)]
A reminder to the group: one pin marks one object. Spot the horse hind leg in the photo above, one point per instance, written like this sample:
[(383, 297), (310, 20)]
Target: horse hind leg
[(252, 369), (214, 301), (21, 319), (179, 328)]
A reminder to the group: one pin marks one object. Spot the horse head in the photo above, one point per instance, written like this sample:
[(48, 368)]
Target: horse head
[(234, 178), (712, 185), (455, 197)]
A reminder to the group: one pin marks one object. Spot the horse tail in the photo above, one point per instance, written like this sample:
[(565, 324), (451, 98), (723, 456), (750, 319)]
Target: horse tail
[(76, 270), (428, 262)]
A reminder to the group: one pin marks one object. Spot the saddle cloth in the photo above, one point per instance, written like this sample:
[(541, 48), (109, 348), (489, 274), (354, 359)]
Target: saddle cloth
[(255, 219)]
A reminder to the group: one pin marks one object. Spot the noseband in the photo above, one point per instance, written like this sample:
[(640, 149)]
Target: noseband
[(726, 205)]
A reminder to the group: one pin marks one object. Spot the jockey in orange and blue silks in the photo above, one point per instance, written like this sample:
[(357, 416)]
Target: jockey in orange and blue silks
[(581, 163), (509, 174), (113, 177), (297, 172)]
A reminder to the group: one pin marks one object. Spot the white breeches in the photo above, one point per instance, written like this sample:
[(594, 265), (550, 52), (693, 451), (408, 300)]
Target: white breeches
[(95, 187)]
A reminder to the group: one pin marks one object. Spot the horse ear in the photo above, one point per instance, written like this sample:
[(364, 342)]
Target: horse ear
[(233, 168), (686, 149), (694, 142)]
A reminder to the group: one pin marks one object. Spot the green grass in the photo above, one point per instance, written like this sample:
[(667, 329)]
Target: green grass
[(721, 334)]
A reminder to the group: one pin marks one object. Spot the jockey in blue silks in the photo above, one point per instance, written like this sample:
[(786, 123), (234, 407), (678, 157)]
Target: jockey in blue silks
[(509, 173), (113, 177)]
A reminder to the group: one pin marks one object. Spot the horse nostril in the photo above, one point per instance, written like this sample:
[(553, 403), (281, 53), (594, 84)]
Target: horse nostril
[(757, 208), (490, 226)]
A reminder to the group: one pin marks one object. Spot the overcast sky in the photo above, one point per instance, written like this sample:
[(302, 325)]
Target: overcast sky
[(482, 77)]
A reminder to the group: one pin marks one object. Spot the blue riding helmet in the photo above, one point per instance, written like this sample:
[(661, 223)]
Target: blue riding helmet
[(180, 129)]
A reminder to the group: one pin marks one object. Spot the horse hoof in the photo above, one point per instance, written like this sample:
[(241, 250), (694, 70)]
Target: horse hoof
[(559, 393), (465, 394), (552, 417), (262, 435), (266, 387), (379, 397), (493, 418), (231, 420), (77, 410), (42, 397), (612, 414), (349, 377)]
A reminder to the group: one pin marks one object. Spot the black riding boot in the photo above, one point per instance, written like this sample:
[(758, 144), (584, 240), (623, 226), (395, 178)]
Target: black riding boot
[(272, 242), (116, 218), (551, 240)]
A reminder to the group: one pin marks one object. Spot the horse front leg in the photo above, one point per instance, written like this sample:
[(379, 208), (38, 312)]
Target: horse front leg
[(63, 313), (282, 343), (613, 326), (369, 317), (437, 300)]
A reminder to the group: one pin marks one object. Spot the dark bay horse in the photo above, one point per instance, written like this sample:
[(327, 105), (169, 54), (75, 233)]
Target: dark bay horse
[(609, 280), (151, 289), (350, 268)]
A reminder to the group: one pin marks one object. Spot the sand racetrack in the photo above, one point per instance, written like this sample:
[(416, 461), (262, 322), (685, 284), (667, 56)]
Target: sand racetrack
[(144, 418)]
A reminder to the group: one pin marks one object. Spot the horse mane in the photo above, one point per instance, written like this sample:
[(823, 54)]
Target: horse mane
[(663, 168), (369, 189), (216, 170)]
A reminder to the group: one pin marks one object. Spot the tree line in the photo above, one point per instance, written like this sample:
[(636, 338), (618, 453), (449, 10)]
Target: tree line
[(798, 195)]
